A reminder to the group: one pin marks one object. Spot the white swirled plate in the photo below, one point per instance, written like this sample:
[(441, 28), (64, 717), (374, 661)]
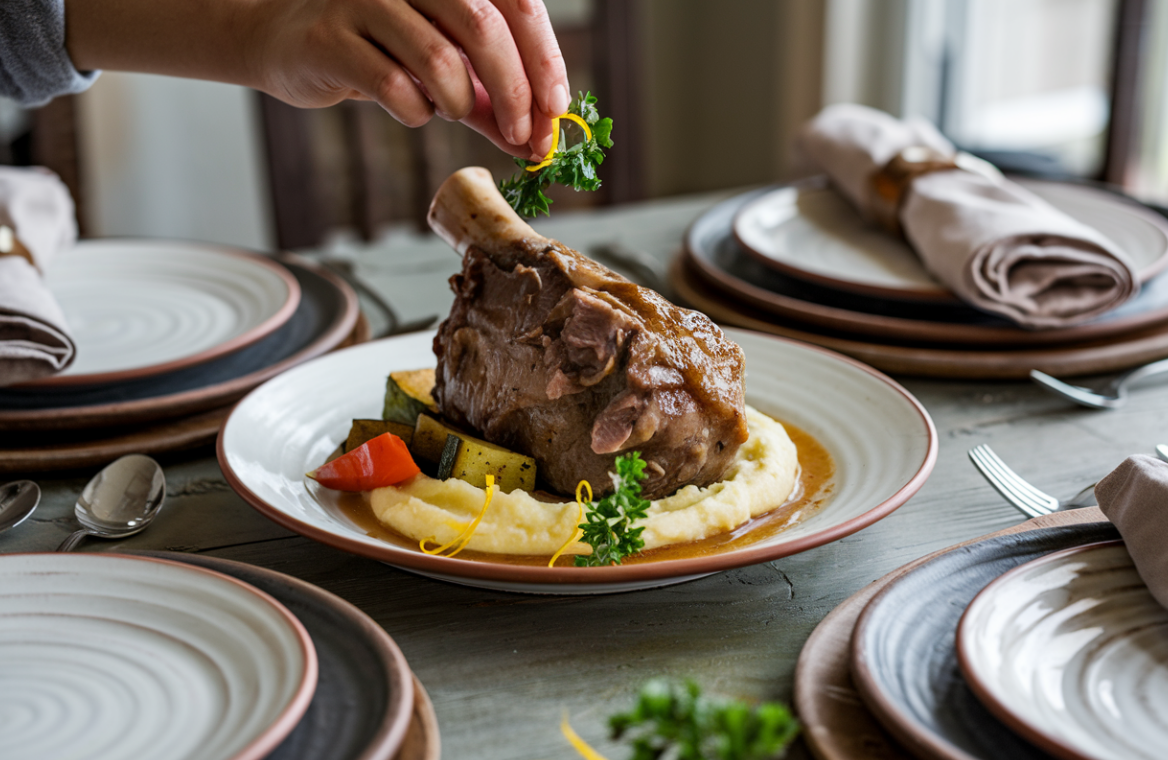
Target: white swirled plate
[(881, 440), (109, 656), (1071, 651), (138, 308), (811, 232)]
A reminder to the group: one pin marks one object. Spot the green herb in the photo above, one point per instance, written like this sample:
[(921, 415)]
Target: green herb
[(608, 524), (574, 166), (676, 721)]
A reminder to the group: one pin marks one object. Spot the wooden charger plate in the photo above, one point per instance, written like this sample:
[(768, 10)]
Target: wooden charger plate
[(836, 723), (67, 450), (980, 363)]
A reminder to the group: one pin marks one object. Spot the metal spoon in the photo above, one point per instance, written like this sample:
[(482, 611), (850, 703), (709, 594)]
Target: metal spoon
[(120, 501), (1111, 396), (17, 501)]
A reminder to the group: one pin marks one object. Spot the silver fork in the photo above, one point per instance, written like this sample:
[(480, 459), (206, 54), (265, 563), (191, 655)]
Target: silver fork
[(1113, 395), (1020, 493)]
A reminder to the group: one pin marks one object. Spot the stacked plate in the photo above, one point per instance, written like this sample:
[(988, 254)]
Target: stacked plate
[(798, 261), (168, 335), (1038, 644), (184, 658)]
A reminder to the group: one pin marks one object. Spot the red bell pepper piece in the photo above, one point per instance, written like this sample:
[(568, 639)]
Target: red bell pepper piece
[(381, 461)]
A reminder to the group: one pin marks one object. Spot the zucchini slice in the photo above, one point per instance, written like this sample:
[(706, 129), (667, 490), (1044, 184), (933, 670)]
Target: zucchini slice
[(362, 431), (473, 459)]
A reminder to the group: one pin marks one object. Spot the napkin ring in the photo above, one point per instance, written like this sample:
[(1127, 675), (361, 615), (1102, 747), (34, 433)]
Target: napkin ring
[(10, 245), (890, 184)]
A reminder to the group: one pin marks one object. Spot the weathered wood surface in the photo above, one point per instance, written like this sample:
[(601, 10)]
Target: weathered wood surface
[(501, 668)]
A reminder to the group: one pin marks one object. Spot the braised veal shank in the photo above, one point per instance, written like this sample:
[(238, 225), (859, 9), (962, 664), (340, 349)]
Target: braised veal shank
[(553, 355)]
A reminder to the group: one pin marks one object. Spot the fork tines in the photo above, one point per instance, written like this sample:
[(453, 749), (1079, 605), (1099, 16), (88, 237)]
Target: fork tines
[(1010, 485)]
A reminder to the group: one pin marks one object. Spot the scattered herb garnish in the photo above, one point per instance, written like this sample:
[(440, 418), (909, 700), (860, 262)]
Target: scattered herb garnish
[(574, 166), (676, 721), (608, 525)]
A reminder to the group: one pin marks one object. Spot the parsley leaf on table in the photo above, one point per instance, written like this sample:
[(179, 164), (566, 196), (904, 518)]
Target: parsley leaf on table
[(671, 720), (608, 525), (574, 166)]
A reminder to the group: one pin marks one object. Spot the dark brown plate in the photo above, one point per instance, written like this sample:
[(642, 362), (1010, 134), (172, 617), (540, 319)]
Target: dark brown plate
[(967, 362)]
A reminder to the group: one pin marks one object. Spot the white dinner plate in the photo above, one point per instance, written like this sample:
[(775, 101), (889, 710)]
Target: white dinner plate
[(109, 656), (137, 308), (881, 440), (813, 233), (1071, 651)]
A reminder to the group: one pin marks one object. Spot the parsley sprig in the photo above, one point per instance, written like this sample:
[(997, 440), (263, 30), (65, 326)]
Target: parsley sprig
[(608, 525), (676, 721), (574, 166)]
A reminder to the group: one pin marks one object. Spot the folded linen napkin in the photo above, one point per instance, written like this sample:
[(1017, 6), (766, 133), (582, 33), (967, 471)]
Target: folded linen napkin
[(996, 245), (1134, 497), (37, 211)]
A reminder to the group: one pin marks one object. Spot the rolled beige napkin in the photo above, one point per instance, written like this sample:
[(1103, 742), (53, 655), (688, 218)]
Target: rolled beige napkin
[(1134, 497), (996, 245), (37, 211)]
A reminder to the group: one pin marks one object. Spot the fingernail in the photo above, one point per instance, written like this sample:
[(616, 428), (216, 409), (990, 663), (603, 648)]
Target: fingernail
[(559, 100)]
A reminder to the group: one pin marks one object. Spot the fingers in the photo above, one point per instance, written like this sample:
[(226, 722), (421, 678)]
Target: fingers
[(427, 54), (483, 32), (376, 76), (532, 31), (482, 120)]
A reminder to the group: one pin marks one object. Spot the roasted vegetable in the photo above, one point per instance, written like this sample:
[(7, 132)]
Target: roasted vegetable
[(474, 458), (400, 406), (362, 431), (383, 461), (417, 384)]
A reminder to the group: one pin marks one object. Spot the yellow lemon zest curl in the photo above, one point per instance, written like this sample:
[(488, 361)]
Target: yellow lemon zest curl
[(467, 532), (579, 744), (556, 138), (576, 534)]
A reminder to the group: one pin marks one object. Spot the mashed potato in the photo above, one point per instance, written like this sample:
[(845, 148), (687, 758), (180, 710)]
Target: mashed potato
[(761, 477)]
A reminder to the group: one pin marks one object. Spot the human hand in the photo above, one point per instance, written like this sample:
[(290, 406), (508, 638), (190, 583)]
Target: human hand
[(491, 64)]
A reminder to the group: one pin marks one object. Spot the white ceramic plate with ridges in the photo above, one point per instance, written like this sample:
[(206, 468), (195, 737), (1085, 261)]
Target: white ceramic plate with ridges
[(1071, 651), (814, 234), (291, 424), (137, 308), (108, 657)]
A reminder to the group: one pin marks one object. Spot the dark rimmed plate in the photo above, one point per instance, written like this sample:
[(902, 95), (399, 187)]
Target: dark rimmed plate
[(718, 258), (904, 660), (364, 700), (325, 316)]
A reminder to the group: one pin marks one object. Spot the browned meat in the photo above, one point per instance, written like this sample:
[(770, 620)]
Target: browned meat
[(551, 354)]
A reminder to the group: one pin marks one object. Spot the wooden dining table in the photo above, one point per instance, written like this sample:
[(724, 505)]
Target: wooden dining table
[(501, 668)]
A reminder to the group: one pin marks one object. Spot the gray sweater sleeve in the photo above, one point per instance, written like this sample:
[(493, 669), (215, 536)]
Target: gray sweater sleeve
[(34, 66)]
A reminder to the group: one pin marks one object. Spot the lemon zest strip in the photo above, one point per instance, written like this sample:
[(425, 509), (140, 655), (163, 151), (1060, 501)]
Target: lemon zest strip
[(547, 160), (579, 744), (467, 532), (576, 534)]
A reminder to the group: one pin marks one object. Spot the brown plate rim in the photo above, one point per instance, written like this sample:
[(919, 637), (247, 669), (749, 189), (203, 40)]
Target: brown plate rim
[(396, 722), (195, 399), (244, 339), (938, 294), (1033, 733), (900, 328), (620, 574), (1146, 345), (271, 736)]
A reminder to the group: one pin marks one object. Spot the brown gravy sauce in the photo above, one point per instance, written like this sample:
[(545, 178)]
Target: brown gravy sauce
[(813, 490)]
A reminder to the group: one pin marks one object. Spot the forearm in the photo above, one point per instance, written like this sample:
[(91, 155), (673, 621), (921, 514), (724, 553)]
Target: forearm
[(200, 39)]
